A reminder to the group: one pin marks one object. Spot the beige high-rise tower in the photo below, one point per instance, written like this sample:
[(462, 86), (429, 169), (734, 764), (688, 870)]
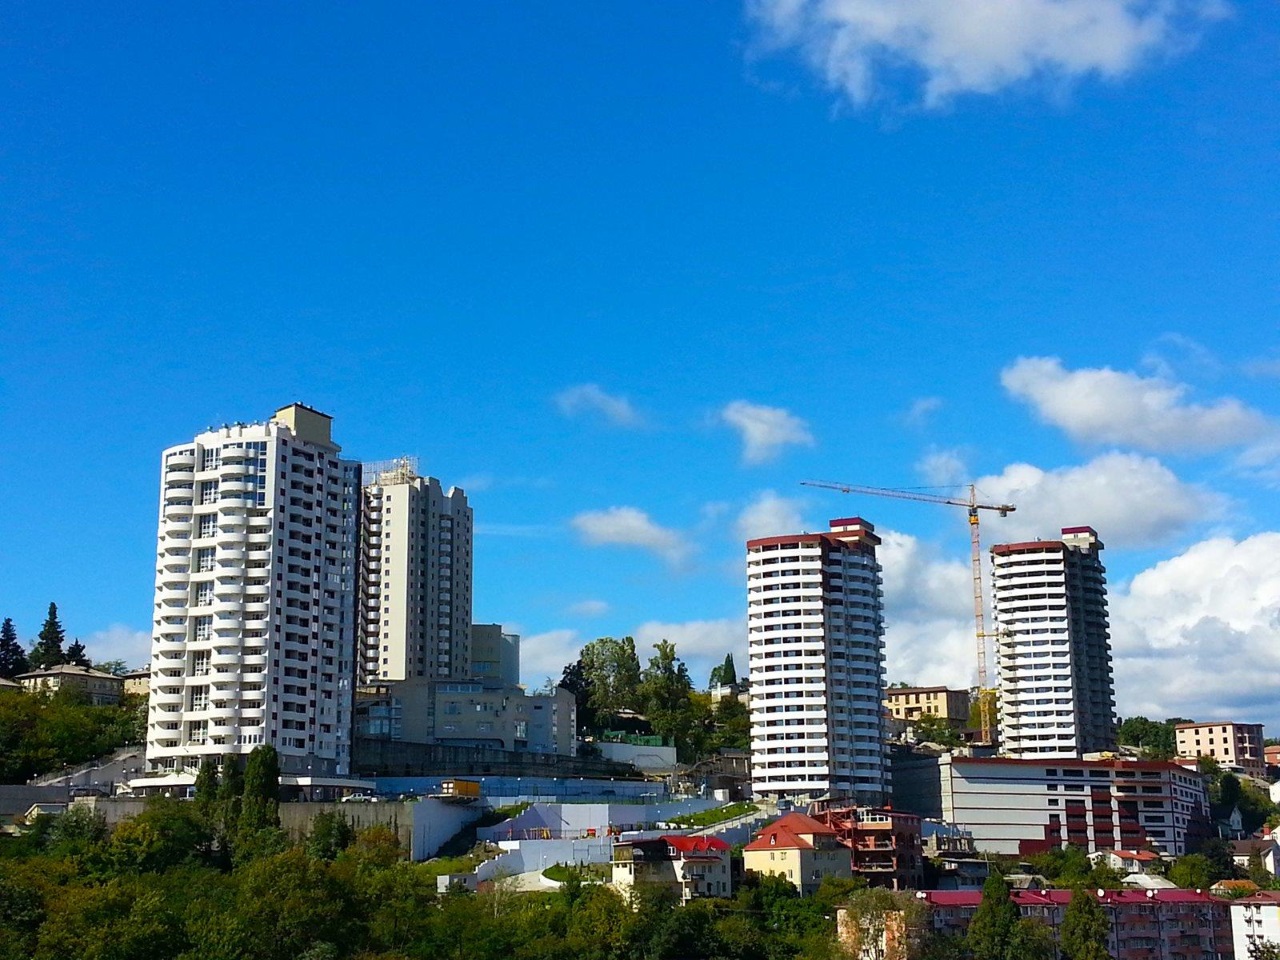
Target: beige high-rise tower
[(415, 576)]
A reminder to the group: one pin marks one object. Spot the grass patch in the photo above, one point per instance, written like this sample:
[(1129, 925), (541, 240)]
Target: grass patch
[(709, 818), (466, 863)]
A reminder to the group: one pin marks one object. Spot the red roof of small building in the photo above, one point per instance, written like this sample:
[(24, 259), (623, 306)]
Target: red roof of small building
[(697, 845), (789, 832), (1142, 856)]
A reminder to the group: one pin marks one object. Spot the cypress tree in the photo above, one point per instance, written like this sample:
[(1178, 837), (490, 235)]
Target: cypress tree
[(75, 654), (1085, 926), (230, 793), (48, 649), (13, 659), (992, 927), (260, 805), (207, 788)]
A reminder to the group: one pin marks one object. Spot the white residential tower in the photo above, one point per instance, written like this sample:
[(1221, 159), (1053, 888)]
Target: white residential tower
[(1057, 697), (254, 626), (815, 639)]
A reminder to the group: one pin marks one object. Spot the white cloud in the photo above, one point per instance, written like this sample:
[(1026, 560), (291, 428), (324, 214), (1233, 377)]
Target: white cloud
[(1131, 500), (942, 468), (631, 527), (544, 655), (701, 644), (589, 608), (1101, 405), (976, 46), (590, 398), (930, 636), (921, 410), (119, 642), (769, 515), (1195, 635), (765, 430)]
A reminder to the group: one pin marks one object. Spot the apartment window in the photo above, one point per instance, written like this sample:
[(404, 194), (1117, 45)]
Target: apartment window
[(209, 525), (199, 698), (200, 661), (204, 560), (204, 594), (210, 458), (209, 491)]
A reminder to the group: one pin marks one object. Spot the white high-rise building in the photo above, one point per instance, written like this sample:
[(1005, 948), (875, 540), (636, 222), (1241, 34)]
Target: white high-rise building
[(415, 576), (1057, 696), (816, 644), (254, 629)]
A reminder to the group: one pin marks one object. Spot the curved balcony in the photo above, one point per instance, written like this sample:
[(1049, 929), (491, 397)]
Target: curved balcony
[(175, 560), (256, 610), (167, 696), (233, 465), (226, 507), (174, 579), (252, 718), (237, 520), (175, 631), (232, 555), (176, 460), (225, 657), (228, 625), (178, 510), (231, 537), (259, 556), (232, 487), (259, 539), (254, 664), (229, 711), (178, 494)]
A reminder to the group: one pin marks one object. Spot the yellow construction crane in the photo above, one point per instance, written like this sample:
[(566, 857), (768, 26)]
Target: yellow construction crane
[(979, 607)]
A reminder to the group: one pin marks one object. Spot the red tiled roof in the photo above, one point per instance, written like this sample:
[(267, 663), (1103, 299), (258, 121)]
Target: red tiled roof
[(697, 845), (971, 898), (789, 832), (1144, 856)]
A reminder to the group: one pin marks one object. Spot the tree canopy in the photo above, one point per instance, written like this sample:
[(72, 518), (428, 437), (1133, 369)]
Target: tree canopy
[(13, 659), (48, 651)]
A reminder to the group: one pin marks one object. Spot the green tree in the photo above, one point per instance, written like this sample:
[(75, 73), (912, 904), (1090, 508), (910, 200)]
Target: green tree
[(1031, 940), (260, 803), (48, 651), (931, 728), (1257, 871), (991, 929), (206, 800), (1085, 926), (230, 793), (76, 656), (724, 674), (1157, 740), (732, 722), (664, 696), (613, 671), (574, 679), (1263, 950), (13, 659), (1191, 872), (331, 833)]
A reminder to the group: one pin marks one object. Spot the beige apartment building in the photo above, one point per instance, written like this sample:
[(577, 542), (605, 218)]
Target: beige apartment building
[(102, 689), (799, 849), (688, 866), (1231, 744), (912, 703)]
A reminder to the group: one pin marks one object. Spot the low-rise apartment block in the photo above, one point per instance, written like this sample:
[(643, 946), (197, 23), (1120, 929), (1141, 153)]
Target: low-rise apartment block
[(469, 713), (1255, 920), (102, 689), (1233, 745), (912, 703), (690, 867), (886, 844), (1145, 924), (1023, 807)]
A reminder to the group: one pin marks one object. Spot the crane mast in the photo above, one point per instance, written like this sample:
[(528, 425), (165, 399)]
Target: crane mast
[(972, 506)]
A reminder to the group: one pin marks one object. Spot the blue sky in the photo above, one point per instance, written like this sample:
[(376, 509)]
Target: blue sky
[(629, 274)]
